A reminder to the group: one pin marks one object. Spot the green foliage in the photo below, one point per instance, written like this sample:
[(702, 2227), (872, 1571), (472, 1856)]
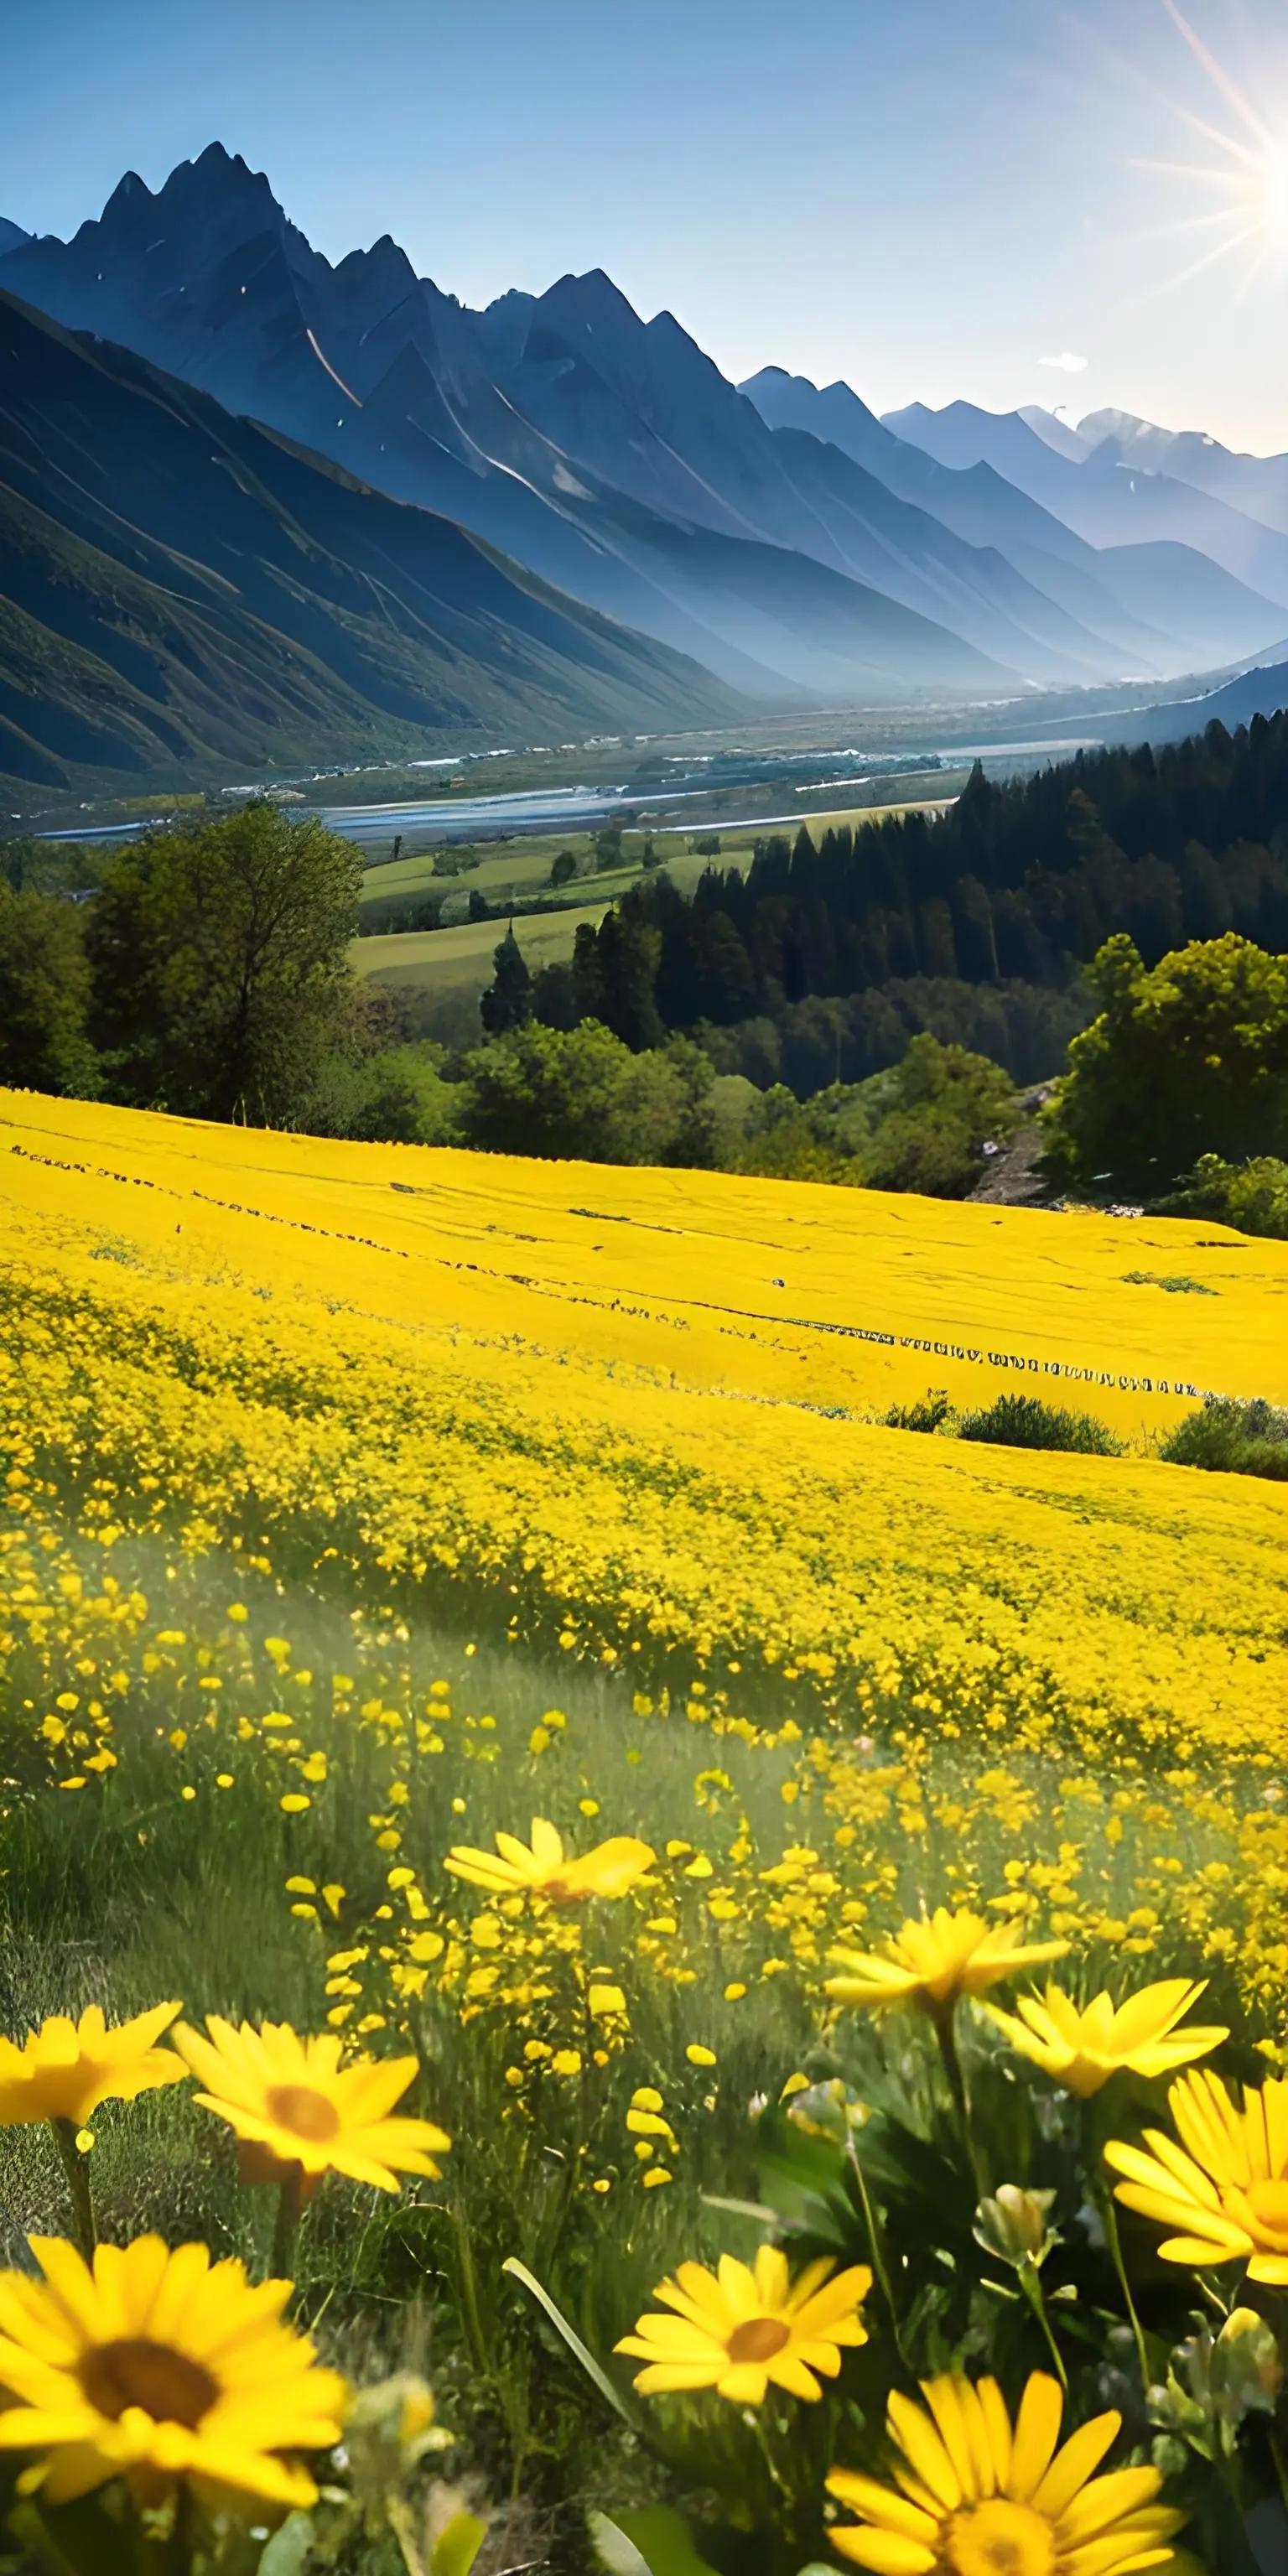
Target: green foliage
[(397, 1096), (1186, 1059), (219, 965), (824, 1039), (507, 1004), (563, 868), (614, 975), (1174, 1284), (1232, 1438), (580, 1093), (655, 2541), (44, 995), (919, 1126), (974, 923), (1024, 1422), (929, 1413), (944, 1105), (782, 1140), (1252, 1196)]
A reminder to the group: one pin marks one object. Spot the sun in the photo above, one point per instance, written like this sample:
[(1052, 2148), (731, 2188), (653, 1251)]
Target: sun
[(1274, 196), (1241, 180)]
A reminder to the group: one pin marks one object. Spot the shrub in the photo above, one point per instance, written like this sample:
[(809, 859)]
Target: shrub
[(580, 1094), (929, 1413), (1251, 1196), (1187, 1059), (1024, 1422), (1231, 1438)]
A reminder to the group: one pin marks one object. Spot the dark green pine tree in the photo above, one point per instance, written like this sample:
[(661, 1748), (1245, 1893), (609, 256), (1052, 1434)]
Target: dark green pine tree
[(507, 1004)]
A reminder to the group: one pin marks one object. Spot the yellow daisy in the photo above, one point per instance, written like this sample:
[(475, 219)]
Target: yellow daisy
[(934, 1962), (293, 2098), (544, 1868), (66, 2068), (156, 2367), (1083, 2047), (1225, 2187), (978, 2499), (737, 2330)]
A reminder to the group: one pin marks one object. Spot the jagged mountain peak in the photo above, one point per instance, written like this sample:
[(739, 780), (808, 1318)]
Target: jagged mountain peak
[(612, 455), (771, 387)]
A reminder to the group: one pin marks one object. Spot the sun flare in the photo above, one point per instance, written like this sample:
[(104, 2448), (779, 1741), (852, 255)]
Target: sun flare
[(1240, 181)]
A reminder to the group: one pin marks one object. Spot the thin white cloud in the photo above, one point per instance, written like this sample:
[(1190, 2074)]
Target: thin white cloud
[(1068, 362)]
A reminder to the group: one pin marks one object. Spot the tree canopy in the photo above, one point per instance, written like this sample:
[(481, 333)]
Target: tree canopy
[(219, 961), (1187, 1058), (1017, 885), (44, 994), (581, 1094)]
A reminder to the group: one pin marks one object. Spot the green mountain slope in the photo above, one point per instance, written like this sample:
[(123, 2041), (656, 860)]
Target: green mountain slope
[(180, 591)]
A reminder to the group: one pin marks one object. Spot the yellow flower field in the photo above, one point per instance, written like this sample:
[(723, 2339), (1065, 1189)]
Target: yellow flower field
[(434, 1365), (324, 1468)]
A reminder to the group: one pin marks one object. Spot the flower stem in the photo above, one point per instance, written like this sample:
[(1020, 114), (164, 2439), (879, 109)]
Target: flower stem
[(76, 2168), (1102, 2194), (1031, 2286), (884, 2283), (469, 2290), (286, 2224), (1281, 2466), (942, 2017), (1109, 2218), (178, 2555)]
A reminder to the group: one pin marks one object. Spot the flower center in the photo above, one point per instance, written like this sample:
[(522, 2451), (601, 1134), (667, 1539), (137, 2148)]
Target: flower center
[(134, 2372), (1268, 2202), (1001, 2539), (758, 2340), (306, 2113)]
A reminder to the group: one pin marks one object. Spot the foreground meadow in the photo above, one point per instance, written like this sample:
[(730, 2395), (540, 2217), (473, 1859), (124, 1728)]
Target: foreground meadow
[(471, 1613)]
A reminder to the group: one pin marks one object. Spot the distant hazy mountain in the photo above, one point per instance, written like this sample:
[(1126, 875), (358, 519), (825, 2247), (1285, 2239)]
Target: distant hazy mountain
[(1161, 606), (12, 236), (1262, 692), (1107, 498), (1057, 433), (1257, 485), (177, 584)]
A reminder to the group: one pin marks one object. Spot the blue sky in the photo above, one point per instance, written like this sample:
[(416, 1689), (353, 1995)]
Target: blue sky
[(927, 197)]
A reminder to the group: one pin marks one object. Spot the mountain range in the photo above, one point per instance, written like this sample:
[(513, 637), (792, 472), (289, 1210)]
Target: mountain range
[(178, 585), (722, 546)]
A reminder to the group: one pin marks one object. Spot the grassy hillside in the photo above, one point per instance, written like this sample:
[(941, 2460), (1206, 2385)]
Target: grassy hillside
[(447, 970)]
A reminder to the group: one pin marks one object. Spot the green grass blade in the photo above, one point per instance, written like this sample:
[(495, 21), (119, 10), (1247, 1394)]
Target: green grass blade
[(519, 2272)]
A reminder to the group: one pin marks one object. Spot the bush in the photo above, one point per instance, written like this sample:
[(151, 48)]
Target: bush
[(781, 1141), (581, 1094), (1024, 1422), (936, 1109), (1231, 1438), (1251, 1196), (1188, 1059), (929, 1413)]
